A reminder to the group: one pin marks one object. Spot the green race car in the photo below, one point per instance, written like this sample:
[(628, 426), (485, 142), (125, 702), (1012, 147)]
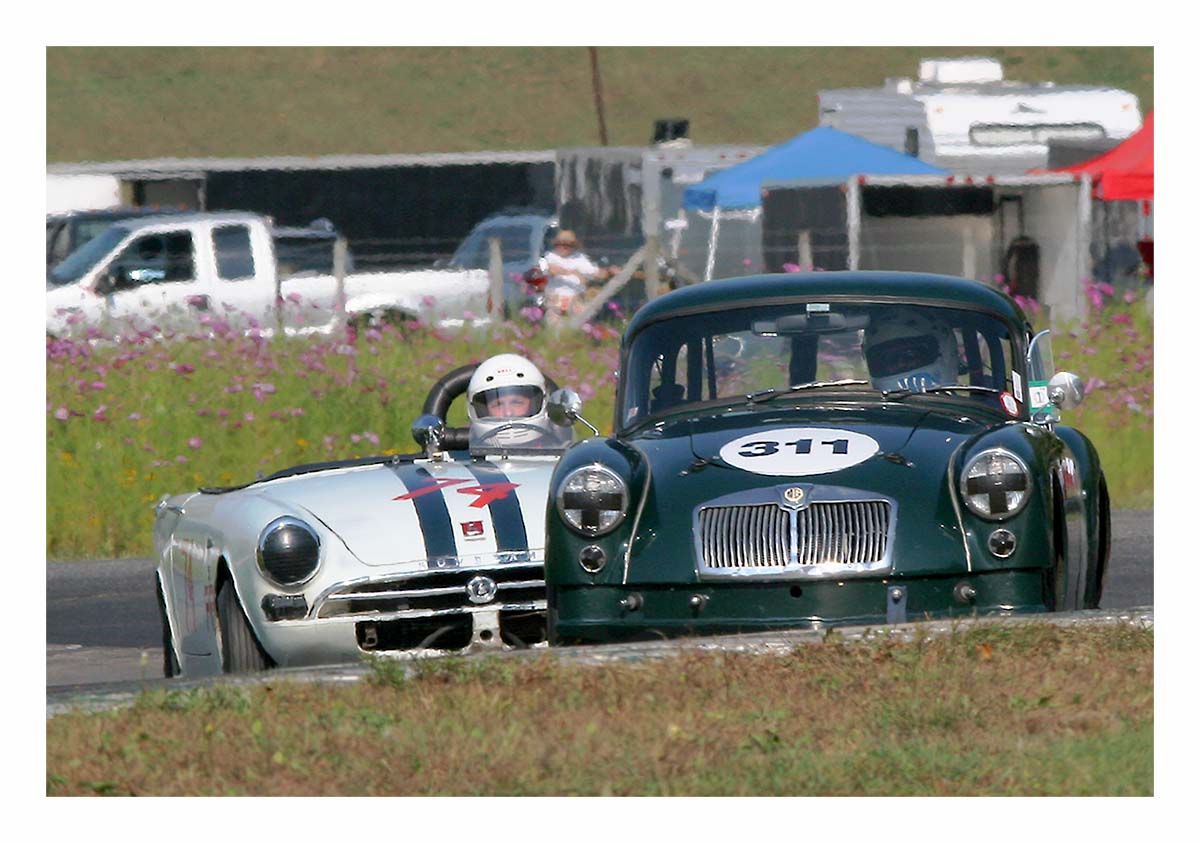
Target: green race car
[(829, 448)]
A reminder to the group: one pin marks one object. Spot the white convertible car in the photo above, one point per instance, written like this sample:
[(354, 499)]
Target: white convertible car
[(321, 563)]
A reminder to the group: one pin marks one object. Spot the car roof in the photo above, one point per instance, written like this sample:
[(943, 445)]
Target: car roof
[(779, 288), (117, 214)]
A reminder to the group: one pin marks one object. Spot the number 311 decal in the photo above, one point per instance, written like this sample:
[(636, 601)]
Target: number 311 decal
[(798, 451), (802, 446)]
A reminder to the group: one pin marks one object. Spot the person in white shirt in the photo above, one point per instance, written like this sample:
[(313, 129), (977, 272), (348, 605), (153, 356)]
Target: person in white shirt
[(571, 266)]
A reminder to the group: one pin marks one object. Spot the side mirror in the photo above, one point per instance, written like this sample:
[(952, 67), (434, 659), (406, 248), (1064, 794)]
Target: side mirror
[(1066, 390), (428, 431), (564, 407)]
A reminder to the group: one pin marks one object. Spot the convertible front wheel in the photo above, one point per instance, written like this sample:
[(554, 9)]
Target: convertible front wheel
[(240, 651)]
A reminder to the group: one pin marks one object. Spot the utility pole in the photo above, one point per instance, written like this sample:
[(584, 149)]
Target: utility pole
[(598, 94)]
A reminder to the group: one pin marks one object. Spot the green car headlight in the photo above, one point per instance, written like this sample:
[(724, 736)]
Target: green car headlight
[(592, 500), (995, 484)]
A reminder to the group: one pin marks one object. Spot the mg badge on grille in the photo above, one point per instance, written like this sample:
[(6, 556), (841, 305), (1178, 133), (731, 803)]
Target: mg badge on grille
[(481, 590), (793, 497), (793, 494)]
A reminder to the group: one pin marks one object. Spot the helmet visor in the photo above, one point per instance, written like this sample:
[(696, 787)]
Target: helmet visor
[(508, 402), (903, 354)]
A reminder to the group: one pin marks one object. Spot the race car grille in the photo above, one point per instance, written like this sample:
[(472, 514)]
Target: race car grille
[(441, 592), (848, 534)]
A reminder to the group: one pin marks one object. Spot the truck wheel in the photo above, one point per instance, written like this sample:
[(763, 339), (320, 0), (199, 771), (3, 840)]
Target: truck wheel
[(240, 651), (170, 663)]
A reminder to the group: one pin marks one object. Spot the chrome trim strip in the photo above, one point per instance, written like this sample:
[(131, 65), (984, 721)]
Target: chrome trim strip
[(402, 614), (427, 592), (637, 518), (962, 527), (410, 575)]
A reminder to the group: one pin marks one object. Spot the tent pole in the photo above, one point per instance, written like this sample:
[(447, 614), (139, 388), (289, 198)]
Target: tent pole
[(713, 232), (853, 221), (1084, 242)]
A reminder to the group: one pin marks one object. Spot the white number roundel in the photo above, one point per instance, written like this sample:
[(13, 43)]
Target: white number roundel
[(798, 451)]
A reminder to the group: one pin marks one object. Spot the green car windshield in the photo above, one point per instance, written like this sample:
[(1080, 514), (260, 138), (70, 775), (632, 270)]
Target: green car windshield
[(762, 353)]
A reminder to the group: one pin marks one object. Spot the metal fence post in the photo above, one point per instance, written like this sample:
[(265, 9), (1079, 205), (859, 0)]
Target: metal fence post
[(495, 279), (339, 274), (650, 263)]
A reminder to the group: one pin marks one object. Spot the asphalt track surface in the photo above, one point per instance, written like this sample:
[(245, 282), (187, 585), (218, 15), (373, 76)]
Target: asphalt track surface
[(102, 620)]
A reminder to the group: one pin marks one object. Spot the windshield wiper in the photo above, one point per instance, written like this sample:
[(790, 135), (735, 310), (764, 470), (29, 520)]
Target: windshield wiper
[(773, 393), (904, 393)]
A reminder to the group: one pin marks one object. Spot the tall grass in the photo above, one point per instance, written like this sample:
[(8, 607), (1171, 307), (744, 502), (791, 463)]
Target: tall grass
[(128, 423)]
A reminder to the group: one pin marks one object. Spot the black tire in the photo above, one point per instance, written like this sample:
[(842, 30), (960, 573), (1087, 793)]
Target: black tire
[(240, 650), (170, 663)]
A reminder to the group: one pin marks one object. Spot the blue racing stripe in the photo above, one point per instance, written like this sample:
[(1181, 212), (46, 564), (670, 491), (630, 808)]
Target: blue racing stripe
[(432, 513), (507, 520)]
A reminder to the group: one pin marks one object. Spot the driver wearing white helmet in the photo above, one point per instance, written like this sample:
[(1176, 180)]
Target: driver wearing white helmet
[(507, 390), (906, 349)]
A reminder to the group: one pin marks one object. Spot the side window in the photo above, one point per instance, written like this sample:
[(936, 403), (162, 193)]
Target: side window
[(235, 260), (155, 259)]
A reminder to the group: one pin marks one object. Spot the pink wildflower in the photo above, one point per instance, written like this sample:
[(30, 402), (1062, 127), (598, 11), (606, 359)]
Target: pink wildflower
[(195, 442), (61, 414)]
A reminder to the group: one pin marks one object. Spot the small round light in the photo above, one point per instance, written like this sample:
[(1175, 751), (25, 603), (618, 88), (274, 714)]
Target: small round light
[(593, 559), (1002, 543), (995, 484), (289, 551), (592, 500)]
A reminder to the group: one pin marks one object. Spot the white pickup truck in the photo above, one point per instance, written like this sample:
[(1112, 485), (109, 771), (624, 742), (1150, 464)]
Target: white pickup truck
[(179, 271)]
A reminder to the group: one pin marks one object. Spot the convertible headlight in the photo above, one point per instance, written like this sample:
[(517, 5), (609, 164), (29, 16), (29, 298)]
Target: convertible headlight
[(288, 551), (995, 484), (592, 500)]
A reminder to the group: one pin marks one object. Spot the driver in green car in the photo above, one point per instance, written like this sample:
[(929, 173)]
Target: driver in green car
[(504, 389), (906, 349)]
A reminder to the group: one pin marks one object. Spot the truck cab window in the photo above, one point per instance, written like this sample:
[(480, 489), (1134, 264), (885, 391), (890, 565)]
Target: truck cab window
[(155, 259), (235, 260)]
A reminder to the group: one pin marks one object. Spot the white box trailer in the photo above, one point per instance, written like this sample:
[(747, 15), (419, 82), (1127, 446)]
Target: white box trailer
[(961, 225), (962, 115)]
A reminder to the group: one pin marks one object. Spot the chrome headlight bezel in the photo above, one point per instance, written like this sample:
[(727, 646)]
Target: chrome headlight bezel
[(580, 528), (273, 528), (969, 497)]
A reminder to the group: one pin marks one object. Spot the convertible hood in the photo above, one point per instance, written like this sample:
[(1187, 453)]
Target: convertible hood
[(453, 513)]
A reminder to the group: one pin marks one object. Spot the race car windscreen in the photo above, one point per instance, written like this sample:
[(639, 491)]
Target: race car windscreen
[(728, 355)]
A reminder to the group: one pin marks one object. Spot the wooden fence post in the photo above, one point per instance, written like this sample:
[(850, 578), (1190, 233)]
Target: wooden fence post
[(495, 279)]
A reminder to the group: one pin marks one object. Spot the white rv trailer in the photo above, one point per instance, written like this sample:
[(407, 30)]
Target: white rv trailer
[(962, 115)]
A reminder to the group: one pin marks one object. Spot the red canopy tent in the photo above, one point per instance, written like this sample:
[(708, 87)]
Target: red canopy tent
[(1126, 171)]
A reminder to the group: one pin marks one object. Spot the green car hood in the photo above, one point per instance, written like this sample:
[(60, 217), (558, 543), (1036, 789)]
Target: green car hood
[(914, 444)]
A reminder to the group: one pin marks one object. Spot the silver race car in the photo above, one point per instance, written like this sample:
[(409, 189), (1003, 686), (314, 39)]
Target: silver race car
[(321, 563)]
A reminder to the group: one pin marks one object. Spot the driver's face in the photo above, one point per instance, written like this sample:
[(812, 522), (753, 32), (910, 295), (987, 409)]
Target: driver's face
[(510, 406)]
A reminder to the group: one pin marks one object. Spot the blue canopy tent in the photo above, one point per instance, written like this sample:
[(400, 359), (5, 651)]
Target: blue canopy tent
[(822, 154)]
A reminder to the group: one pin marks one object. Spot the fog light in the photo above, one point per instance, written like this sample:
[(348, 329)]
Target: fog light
[(1002, 543), (964, 592), (632, 602), (592, 559)]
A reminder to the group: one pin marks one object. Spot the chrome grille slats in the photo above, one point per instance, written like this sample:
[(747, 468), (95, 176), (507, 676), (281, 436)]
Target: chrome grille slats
[(850, 535)]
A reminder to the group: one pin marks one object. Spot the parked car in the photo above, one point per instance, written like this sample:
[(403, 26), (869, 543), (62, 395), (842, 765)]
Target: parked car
[(67, 232), (318, 564), (821, 449), (181, 270), (525, 236)]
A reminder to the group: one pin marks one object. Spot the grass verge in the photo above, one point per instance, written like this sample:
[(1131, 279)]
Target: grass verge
[(1021, 710)]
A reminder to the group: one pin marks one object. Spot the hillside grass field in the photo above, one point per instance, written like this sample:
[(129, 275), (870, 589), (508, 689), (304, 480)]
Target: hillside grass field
[(120, 103)]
